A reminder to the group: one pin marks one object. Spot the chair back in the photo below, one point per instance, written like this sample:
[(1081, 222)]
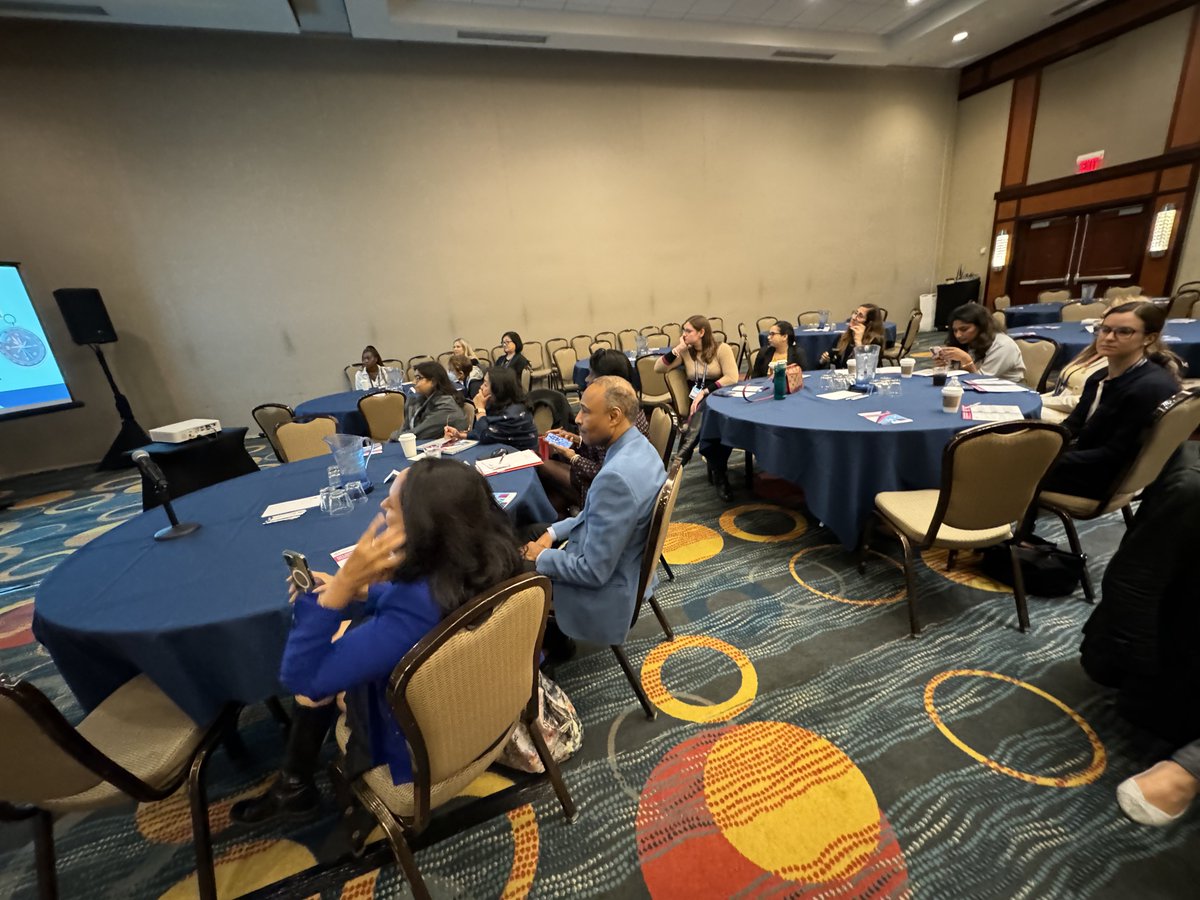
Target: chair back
[(660, 522), (1183, 303), (648, 329), (764, 322), (609, 336), (1194, 312), (350, 371), (718, 336), (717, 323), (384, 413), (753, 359), (414, 361), (532, 351), (303, 440), (268, 417), (911, 332), (482, 354), (1038, 354), (662, 432), (998, 319), (991, 473), (554, 345), (550, 409), (656, 340), (677, 387), (599, 345), (564, 362), (444, 360), (883, 312), (469, 411), (654, 383), (458, 694), (497, 353), (580, 343), (1175, 420), (526, 378), (809, 317), (1002, 302), (1076, 311), (627, 340), (674, 331), (1054, 296)]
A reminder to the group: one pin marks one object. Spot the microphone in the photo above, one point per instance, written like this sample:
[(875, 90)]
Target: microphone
[(154, 475)]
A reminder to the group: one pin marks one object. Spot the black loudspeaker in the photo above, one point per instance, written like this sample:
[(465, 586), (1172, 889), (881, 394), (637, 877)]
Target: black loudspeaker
[(87, 319)]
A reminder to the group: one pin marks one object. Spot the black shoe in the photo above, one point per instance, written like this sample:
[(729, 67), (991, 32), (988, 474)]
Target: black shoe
[(721, 483), (686, 456), (289, 796)]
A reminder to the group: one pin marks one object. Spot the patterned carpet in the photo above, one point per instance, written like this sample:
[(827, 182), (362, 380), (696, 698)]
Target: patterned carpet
[(806, 747)]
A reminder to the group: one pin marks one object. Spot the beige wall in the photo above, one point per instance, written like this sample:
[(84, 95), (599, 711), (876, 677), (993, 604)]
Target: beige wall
[(978, 160), (1116, 97), (255, 210)]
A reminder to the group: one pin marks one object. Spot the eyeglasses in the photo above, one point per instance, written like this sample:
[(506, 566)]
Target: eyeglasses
[(774, 333), (1122, 331)]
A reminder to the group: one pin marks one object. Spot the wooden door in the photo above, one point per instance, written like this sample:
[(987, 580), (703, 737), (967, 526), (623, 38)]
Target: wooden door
[(1112, 243), (1044, 253)]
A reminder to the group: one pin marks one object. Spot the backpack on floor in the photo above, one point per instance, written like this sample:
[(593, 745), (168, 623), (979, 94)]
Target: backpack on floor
[(1046, 570)]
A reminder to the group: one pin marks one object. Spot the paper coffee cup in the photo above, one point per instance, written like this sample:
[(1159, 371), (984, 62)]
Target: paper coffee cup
[(851, 366), (907, 364), (408, 443)]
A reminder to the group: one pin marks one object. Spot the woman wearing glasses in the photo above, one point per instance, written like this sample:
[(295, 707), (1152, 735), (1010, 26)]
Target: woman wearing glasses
[(781, 347), (1117, 403), (864, 329), (434, 405), (501, 414)]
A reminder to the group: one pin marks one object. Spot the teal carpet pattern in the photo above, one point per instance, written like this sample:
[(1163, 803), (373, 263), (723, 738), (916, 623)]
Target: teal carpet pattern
[(805, 746)]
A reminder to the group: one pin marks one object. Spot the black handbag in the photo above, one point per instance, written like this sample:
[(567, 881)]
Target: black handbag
[(1046, 570)]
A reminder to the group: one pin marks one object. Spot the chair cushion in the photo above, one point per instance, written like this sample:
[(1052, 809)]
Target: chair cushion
[(1083, 507), (912, 512), (141, 729)]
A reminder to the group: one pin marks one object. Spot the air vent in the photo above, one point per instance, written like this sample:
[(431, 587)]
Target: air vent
[(51, 9), (810, 55), (502, 37), (1071, 7)]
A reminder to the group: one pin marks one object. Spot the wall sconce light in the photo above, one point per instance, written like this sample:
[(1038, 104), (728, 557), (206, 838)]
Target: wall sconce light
[(1164, 226), (1000, 251)]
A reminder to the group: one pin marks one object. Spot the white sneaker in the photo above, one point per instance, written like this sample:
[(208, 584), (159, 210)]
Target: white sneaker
[(1135, 805)]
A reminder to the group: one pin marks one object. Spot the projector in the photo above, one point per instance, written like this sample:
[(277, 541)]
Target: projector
[(185, 431)]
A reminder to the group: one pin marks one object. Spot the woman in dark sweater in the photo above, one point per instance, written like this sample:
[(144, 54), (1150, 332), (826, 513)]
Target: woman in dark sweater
[(781, 347), (433, 405), (501, 415), (512, 358)]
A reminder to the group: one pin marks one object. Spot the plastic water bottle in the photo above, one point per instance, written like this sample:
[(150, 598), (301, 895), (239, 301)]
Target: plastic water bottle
[(952, 395), (780, 380), (642, 346)]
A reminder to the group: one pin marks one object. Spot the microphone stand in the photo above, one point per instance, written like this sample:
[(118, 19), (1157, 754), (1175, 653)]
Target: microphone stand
[(132, 435), (176, 529)]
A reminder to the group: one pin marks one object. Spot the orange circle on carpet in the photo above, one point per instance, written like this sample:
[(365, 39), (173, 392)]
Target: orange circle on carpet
[(688, 542)]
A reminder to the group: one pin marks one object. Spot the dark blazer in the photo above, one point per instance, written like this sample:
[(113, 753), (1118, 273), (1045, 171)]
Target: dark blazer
[(1104, 445), (513, 425), (518, 363), (795, 357), (848, 353)]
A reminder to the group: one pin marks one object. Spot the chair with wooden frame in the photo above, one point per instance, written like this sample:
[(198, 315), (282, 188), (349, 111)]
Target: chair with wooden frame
[(580, 344), (656, 340), (991, 474), (1053, 296), (268, 417), (627, 340), (410, 371), (911, 331), (458, 696), (611, 337), (350, 371), (679, 389), (656, 538), (1183, 303), (649, 329), (303, 440), (384, 413), (674, 331), (1075, 311), (1002, 302), (1038, 354), (654, 389), (1175, 420), (765, 322), (136, 745), (564, 364), (809, 317), (717, 323), (539, 369)]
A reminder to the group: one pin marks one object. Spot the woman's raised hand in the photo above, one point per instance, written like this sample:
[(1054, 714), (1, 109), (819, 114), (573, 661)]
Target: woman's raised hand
[(680, 348), (374, 558)]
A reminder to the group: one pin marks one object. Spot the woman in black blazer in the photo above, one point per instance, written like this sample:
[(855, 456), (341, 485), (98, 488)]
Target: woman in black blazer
[(512, 358), (781, 347)]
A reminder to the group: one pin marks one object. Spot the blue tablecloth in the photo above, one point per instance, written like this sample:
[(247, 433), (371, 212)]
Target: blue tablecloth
[(206, 616), (841, 459), (813, 343), (1035, 314), (1181, 337), (583, 368), (342, 406)]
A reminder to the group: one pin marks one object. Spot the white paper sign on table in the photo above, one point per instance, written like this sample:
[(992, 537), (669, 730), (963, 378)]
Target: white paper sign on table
[(842, 395), (290, 506)]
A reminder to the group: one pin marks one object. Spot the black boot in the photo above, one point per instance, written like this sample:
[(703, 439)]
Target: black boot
[(295, 793), (719, 475)]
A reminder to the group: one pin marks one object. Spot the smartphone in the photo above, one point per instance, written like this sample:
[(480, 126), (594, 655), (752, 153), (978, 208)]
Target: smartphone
[(557, 440), (298, 571)]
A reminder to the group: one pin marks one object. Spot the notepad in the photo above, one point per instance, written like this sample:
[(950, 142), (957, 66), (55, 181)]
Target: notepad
[(447, 446), (509, 462), (743, 390), (982, 412), (995, 386), (885, 417), (289, 506)]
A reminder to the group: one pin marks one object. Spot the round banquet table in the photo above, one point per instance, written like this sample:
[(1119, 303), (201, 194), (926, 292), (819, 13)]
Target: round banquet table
[(342, 406), (583, 368), (813, 342), (206, 616), (841, 459), (1180, 336), (1036, 314)]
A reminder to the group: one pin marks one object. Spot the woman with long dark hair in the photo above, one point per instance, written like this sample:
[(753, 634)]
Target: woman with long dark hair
[(501, 414), (978, 346), (781, 347), (512, 359), (864, 329), (434, 405), (411, 567)]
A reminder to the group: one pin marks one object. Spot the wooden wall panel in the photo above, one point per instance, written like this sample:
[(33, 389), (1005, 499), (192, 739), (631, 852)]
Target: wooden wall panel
[(1185, 120), (1022, 116), (1006, 209), (1175, 179), (1114, 191)]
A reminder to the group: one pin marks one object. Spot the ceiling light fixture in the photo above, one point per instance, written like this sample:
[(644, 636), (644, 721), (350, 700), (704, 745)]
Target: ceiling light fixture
[(960, 37)]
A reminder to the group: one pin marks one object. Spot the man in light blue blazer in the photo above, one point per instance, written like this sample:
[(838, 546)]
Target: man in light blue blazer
[(595, 576)]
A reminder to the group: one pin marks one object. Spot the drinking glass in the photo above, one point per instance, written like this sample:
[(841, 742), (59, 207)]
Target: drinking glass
[(340, 503), (433, 452), (824, 323), (356, 493), (335, 476)]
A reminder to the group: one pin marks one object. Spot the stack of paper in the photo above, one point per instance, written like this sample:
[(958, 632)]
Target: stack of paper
[(287, 507), (509, 462), (448, 446), (982, 412), (743, 390), (996, 386), (842, 395)]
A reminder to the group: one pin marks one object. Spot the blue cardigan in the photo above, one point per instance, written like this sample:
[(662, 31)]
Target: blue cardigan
[(394, 617)]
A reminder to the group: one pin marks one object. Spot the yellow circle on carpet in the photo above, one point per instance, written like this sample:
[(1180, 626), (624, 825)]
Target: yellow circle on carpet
[(7, 553), (690, 543), (8, 527), (247, 867), (1093, 770), (728, 521), (880, 601), (690, 712), (31, 568), (791, 802), (91, 534), (963, 572), (524, 831), (42, 500)]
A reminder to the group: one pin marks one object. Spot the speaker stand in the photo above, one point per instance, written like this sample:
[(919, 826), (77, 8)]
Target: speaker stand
[(131, 436)]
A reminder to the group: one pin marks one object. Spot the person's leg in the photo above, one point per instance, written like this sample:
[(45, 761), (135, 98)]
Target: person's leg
[(1163, 793), (555, 476), (295, 791), (717, 456)]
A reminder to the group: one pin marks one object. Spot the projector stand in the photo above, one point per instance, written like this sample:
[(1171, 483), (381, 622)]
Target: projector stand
[(132, 434)]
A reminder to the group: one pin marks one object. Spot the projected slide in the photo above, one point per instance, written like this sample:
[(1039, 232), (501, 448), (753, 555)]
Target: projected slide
[(30, 380)]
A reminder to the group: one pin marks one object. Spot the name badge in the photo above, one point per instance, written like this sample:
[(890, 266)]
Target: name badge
[(696, 389)]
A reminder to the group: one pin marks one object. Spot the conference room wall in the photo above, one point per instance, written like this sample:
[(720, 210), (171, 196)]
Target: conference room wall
[(975, 173), (1116, 97), (256, 209)]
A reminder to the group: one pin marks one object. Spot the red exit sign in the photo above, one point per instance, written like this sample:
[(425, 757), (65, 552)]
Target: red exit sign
[(1089, 162)]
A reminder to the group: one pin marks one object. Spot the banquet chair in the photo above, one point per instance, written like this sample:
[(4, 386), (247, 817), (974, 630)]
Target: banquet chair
[(483, 354), (580, 344), (1194, 312), (717, 323), (657, 340), (540, 370), (1053, 296), (990, 475), (883, 312), (1123, 293), (497, 354), (136, 745), (443, 359), (1002, 302), (656, 539), (550, 409), (599, 345), (384, 413), (911, 332), (564, 364), (1182, 304), (303, 440), (679, 389), (609, 336), (469, 411), (553, 346), (1075, 311), (350, 371), (410, 372), (1175, 420), (654, 389), (746, 345), (1038, 354), (765, 322), (662, 432), (268, 417), (998, 318), (627, 340), (674, 331), (458, 696), (649, 329), (719, 336), (810, 317)]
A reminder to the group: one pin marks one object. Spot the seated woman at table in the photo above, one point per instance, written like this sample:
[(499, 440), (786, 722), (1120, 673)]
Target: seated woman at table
[(468, 373), (979, 347), (412, 566), (1117, 403), (570, 473), (512, 359), (864, 329), (433, 406), (373, 374), (1060, 402), (501, 415), (781, 347)]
